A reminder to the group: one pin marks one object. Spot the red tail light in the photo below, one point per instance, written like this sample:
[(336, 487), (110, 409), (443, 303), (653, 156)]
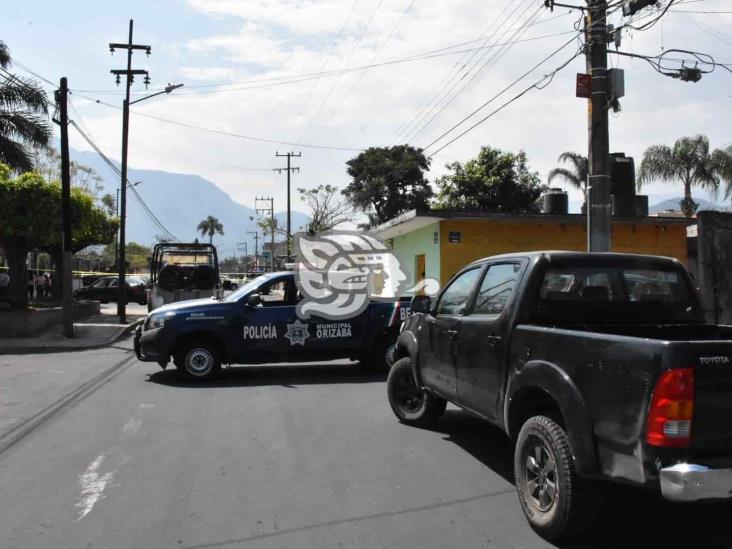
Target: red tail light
[(672, 409)]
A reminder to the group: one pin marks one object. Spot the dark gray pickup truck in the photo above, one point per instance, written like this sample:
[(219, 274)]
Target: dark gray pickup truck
[(599, 366)]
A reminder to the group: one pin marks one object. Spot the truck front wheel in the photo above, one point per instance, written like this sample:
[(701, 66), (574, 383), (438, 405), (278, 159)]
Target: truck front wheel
[(556, 502), (198, 359), (409, 402)]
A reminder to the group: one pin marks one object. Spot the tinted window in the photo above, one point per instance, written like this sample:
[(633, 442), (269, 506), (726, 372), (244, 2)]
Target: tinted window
[(610, 294), (497, 288), (596, 284), (455, 298), (654, 286)]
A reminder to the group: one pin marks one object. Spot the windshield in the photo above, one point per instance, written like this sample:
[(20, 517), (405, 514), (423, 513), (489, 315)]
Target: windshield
[(247, 288)]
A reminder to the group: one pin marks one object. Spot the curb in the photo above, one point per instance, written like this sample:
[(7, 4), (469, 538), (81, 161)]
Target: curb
[(42, 349)]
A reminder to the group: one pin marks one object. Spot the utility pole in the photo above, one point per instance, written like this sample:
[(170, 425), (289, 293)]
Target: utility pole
[(268, 210), (66, 280), (598, 195), (239, 246), (129, 78), (256, 247), (289, 171)]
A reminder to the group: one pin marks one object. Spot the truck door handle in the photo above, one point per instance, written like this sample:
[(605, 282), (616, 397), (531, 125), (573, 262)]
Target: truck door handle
[(494, 340), (452, 334)]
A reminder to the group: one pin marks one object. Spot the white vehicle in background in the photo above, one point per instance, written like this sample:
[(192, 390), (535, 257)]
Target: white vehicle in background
[(182, 271)]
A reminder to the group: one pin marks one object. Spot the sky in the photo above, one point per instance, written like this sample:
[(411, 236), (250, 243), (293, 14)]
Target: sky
[(291, 71)]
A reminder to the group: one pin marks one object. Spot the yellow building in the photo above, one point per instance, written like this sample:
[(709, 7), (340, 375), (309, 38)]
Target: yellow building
[(437, 243)]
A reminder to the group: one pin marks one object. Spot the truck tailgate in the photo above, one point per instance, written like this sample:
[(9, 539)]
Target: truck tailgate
[(712, 425)]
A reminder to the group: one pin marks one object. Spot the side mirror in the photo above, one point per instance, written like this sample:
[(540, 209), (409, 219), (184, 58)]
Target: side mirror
[(420, 304), (254, 300)]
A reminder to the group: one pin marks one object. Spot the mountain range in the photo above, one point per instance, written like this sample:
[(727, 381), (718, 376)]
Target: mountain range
[(673, 204), (180, 202)]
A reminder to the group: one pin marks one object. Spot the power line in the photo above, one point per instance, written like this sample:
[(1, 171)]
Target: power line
[(219, 132), (537, 85), (327, 59), (375, 56), (449, 76), (504, 90), (118, 172), (489, 63), (345, 65)]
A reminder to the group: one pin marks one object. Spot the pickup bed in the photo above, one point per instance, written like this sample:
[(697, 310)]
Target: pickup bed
[(258, 323), (600, 366)]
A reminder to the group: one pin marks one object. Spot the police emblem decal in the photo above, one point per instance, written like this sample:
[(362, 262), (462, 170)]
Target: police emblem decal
[(297, 333)]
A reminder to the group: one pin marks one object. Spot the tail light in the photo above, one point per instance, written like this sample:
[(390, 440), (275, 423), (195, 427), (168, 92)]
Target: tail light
[(672, 409)]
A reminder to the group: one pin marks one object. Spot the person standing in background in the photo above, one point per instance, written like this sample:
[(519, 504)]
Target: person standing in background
[(31, 284), (40, 286)]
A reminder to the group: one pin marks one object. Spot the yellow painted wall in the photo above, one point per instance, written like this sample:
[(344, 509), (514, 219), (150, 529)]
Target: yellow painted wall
[(485, 237)]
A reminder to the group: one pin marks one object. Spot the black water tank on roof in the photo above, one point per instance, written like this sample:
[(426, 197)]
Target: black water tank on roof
[(623, 205), (622, 175), (641, 206), (556, 202)]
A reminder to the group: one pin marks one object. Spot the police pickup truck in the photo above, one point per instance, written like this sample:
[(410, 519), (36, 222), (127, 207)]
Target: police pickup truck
[(257, 324), (599, 366)]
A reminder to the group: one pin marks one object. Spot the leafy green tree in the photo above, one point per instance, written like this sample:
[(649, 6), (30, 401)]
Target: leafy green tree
[(494, 181), (327, 208), (388, 181), (691, 163), (23, 117), (210, 226), (110, 203), (30, 210), (577, 173)]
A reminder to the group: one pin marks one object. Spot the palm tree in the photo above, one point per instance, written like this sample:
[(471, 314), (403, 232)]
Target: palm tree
[(690, 162), (577, 176), (23, 112), (210, 226)]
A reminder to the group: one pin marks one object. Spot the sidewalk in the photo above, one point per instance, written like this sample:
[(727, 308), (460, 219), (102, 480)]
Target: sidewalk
[(90, 333)]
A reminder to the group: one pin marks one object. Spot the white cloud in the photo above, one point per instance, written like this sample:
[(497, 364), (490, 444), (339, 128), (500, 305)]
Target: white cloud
[(291, 37)]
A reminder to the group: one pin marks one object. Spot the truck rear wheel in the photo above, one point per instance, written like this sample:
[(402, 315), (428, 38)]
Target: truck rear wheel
[(410, 403), (198, 359), (556, 502)]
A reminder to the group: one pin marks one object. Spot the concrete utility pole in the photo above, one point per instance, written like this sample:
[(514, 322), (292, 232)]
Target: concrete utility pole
[(289, 170), (129, 78), (66, 279), (598, 200), (256, 247), (268, 210)]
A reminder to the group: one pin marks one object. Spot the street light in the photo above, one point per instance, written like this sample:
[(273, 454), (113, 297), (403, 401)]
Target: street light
[(122, 286), (169, 88)]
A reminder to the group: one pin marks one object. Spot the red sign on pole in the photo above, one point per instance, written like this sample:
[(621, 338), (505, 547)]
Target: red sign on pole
[(584, 85)]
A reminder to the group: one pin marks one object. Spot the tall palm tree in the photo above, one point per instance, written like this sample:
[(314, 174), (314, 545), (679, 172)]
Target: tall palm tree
[(577, 175), (23, 116), (690, 162), (210, 226)]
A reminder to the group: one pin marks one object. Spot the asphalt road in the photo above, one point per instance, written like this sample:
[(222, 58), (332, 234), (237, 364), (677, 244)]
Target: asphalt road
[(283, 456)]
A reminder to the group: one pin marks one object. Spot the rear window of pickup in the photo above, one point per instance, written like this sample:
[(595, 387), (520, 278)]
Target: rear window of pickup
[(579, 293)]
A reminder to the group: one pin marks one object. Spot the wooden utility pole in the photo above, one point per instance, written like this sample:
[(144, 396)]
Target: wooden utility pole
[(289, 170), (65, 274), (129, 75), (598, 193), (256, 247)]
